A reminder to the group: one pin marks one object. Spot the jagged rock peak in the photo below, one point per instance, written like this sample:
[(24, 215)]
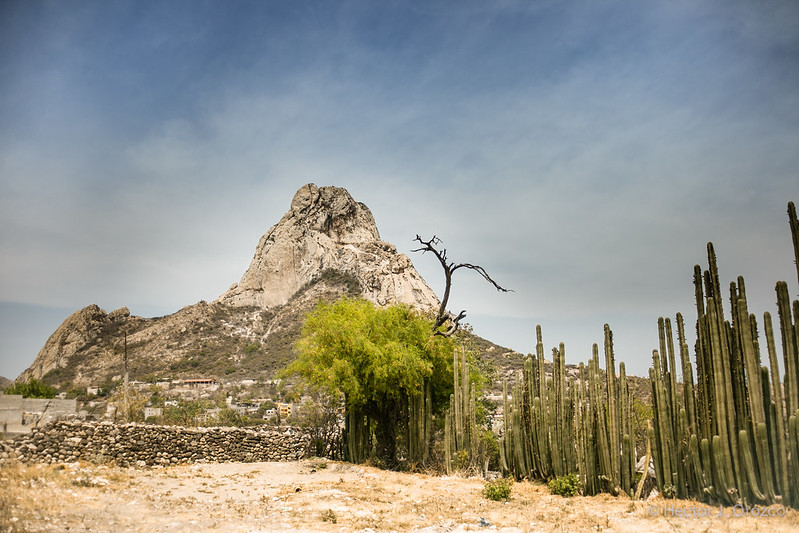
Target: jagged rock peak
[(333, 212), (77, 331), (325, 228)]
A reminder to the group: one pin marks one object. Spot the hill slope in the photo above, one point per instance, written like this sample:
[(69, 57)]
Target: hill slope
[(327, 245)]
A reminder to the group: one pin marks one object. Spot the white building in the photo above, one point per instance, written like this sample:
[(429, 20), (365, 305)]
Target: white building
[(152, 411)]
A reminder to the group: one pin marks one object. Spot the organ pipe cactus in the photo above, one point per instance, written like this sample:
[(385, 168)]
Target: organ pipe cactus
[(555, 425), (732, 436), (420, 424), (460, 428)]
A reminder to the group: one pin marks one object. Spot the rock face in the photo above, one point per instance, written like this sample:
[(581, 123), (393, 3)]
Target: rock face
[(326, 229), (75, 334), (325, 246)]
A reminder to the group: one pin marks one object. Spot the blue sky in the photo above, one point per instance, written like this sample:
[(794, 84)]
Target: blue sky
[(584, 153)]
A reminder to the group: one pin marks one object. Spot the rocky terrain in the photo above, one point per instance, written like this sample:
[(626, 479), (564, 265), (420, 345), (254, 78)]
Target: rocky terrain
[(327, 245)]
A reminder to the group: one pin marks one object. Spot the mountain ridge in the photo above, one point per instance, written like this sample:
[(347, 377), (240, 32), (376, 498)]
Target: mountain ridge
[(325, 246)]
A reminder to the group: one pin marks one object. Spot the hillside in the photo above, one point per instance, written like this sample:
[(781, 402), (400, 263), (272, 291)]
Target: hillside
[(326, 246), (204, 339)]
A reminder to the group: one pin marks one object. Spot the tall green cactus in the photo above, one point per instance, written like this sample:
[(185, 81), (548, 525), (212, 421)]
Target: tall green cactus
[(556, 425), (420, 424), (461, 430), (357, 436), (732, 436)]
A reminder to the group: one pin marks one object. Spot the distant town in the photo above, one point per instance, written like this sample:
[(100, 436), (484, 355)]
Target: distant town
[(188, 402)]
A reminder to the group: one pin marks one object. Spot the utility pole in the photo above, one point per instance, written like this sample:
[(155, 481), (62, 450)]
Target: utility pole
[(125, 382)]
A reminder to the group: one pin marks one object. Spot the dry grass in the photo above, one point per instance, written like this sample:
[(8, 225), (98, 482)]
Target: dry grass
[(305, 496), (37, 494)]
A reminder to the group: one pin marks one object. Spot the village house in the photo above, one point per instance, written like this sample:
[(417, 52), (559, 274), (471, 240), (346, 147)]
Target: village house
[(202, 383), (284, 409), (153, 412)]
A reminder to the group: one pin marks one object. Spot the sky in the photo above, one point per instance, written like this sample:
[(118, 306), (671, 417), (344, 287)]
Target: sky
[(584, 153)]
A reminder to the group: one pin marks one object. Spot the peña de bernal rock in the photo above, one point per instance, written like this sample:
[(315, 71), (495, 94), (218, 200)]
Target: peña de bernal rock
[(327, 245)]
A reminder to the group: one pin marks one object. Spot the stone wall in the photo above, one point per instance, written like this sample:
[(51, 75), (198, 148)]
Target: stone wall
[(140, 444)]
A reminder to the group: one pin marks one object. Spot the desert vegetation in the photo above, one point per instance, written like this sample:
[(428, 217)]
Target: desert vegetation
[(33, 388), (733, 435), (391, 373), (729, 435)]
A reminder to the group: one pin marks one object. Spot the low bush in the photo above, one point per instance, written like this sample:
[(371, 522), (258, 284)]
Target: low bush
[(498, 490), (566, 486)]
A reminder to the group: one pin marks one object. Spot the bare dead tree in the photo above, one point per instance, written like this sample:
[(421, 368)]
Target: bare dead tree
[(443, 315)]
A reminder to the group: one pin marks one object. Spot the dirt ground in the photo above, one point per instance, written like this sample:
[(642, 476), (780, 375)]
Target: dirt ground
[(319, 495)]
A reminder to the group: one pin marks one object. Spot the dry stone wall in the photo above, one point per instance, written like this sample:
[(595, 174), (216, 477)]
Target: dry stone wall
[(147, 445)]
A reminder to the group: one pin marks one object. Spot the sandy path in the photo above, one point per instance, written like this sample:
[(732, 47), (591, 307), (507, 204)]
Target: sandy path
[(316, 495)]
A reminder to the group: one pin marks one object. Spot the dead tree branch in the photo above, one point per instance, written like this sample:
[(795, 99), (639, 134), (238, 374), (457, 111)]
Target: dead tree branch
[(443, 315)]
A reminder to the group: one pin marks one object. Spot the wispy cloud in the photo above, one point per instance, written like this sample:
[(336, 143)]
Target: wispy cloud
[(584, 154)]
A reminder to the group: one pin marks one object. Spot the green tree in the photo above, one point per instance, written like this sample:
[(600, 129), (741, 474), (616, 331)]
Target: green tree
[(32, 389), (378, 358)]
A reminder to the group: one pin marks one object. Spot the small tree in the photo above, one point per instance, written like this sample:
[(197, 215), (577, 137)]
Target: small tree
[(380, 359), (319, 417), (33, 388)]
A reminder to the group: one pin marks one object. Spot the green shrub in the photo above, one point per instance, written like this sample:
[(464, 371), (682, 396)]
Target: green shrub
[(32, 389), (461, 460), (251, 348), (498, 490), (566, 486)]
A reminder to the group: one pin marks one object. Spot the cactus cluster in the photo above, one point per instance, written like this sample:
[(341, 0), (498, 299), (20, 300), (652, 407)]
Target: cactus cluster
[(420, 424), (732, 434), (554, 425), (460, 422), (358, 432)]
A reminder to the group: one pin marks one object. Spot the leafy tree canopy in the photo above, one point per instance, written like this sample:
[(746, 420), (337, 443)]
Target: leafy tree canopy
[(32, 389), (375, 356)]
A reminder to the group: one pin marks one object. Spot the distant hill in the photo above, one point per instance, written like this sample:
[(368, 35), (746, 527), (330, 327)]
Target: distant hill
[(4, 382), (327, 245)]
